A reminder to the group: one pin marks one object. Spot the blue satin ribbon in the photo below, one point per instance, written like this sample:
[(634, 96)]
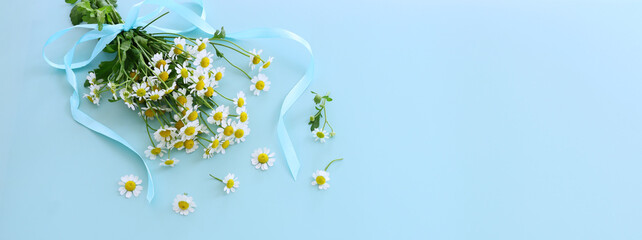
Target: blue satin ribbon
[(110, 32)]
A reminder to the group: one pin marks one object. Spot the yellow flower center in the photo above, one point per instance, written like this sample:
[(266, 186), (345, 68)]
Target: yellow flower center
[(192, 116), (226, 144), (215, 143), (183, 205), (201, 47), (260, 85), (179, 125), (218, 76), (156, 151), (209, 92), (266, 65), (189, 131), (320, 135), (154, 97), (163, 76), (243, 117), (205, 62), (200, 85), (181, 99), (218, 116), (240, 102), (178, 49), (230, 183), (263, 158), (169, 162), (161, 63), (184, 73), (165, 133), (256, 59), (239, 133), (91, 99), (141, 92), (149, 113), (130, 186), (189, 144), (320, 180), (228, 130), (178, 144)]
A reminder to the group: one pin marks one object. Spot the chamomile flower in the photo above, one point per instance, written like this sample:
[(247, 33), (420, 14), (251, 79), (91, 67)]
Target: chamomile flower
[(224, 144), (260, 84), (192, 129), (262, 158), (203, 60), (147, 112), (158, 61), (217, 73), (321, 178), (130, 185), (219, 115), (129, 104), (183, 71), (201, 44), (320, 135), (182, 97), (191, 113), (94, 90), (91, 78), (93, 99), (239, 101), (183, 204), (190, 146), (199, 84), (242, 113), (155, 95), (164, 134), (169, 162), (241, 130), (153, 152), (163, 72), (227, 129), (177, 49), (178, 144), (231, 183), (208, 153), (112, 88), (140, 90), (266, 64), (209, 90), (255, 58)]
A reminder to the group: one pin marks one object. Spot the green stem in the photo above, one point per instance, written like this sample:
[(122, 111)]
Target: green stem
[(219, 44), (223, 96), (326, 167), (216, 178), (155, 19), (228, 61)]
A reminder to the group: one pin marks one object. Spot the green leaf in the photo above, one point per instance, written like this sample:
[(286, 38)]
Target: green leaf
[(316, 122), (71, 1), (220, 33), (141, 41), (125, 45)]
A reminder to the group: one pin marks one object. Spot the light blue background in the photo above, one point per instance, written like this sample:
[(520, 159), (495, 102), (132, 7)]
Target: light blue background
[(457, 120)]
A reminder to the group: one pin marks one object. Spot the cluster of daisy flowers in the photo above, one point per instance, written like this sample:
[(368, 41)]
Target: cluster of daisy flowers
[(175, 93)]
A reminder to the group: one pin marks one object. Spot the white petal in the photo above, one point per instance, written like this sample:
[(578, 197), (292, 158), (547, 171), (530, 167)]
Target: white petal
[(128, 195)]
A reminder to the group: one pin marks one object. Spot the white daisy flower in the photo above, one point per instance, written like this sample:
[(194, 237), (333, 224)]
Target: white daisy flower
[(178, 144), (209, 90), (94, 90), (91, 78), (219, 115), (182, 97), (169, 162), (218, 73), (140, 90), (208, 153), (164, 134), (183, 204), (177, 49), (260, 83), (239, 101), (130, 185), (153, 152), (224, 144), (255, 58), (203, 60), (147, 112), (240, 132), (242, 112), (190, 146), (227, 129), (93, 99), (130, 104), (158, 61), (163, 72), (201, 44), (191, 113), (321, 178), (266, 64), (231, 183), (155, 95), (199, 83), (183, 71), (191, 129), (262, 158), (320, 135)]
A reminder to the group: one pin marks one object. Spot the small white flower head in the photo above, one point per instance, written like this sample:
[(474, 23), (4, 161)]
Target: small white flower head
[(223, 145), (321, 178), (183, 204), (217, 73), (209, 89), (242, 115), (178, 144), (241, 130), (91, 78), (140, 90), (182, 97), (227, 129), (169, 162), (190, 145), (262, 158), (178, 48), (203, 61), (215, 145), (208, 153), (191, 114), (240, 100), (260, 84), (155, 95), (199, 83), (152, 152), (201, 44), (130, 185), (231, 183), (219, 115), (255, 58), (163, 72), (266, 64), (129, 104), (165, 134), (320, 135), (158, 61), (183, 71), (93, 99), (191, 129)]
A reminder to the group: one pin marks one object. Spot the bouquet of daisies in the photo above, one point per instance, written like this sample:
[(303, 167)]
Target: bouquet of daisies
[(170, 81)]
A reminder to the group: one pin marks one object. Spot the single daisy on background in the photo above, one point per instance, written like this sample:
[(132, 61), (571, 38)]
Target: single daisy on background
[(266, 64), (239, 101), (130, 185), (183, 204), (320, 135), (231, 182), (255, 58), (208, 153), (321, 177), (241, 130), (169, 162), (260, 84), (219, 115), (262, 158), (153, 152)]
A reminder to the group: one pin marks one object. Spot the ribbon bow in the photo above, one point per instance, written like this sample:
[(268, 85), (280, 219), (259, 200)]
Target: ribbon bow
[(110, 32)]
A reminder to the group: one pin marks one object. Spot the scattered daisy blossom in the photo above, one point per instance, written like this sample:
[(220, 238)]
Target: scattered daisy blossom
[(130, 185), (262, 158), (321, 179), (153, 152), (231, 183), (260, 84), (255, 58), (169, 162), (320, 135), (183, 204)]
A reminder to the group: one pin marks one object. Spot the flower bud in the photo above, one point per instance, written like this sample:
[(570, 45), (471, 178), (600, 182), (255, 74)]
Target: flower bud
[(317, 99), (332, 134)]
